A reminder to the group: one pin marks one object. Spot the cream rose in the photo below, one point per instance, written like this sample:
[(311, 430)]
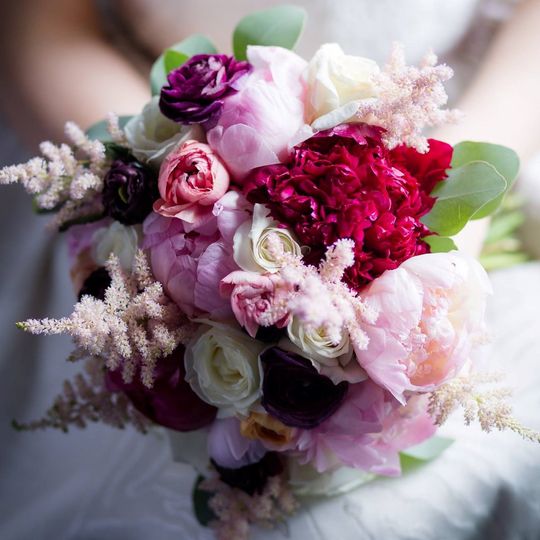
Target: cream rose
[(152, 136), (336, 82), (251, 249), (316, 345), (222, 367), (118, 239)]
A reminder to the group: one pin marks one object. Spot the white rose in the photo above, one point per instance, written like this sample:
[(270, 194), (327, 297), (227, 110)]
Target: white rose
[(336, 84), (316, 345), (250, 245), (118, 239), (223, 368), (152, 136)]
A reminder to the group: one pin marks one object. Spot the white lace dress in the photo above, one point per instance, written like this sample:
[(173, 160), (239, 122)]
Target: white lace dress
[(105, 484)]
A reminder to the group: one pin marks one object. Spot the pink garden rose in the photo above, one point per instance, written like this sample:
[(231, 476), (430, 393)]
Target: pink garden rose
[(191, 264), (255, 299), (431, 316), (258, 122), (191, 179), (367, 432)]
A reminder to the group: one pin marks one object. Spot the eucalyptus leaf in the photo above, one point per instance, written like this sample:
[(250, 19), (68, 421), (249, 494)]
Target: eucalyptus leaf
[(173, 59), (465, 192), (278, 26), (166, 62), (430, 449), (440, 244), (98, 131), (504, 159), (200, 499)]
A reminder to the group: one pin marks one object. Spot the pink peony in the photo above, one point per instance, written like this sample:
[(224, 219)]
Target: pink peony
[(367, 432), (258, 122), (431, 315), (255, 299), (191, 179), (191, 265)]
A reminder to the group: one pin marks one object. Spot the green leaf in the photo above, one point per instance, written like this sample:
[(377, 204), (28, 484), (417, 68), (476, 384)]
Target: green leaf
[(503, 225), (440, 244), (99, 131), (497, 261), (466, 191), (173, 59), (504, 159), (429, 449), (280, 25), (195, 44), (201, 498)]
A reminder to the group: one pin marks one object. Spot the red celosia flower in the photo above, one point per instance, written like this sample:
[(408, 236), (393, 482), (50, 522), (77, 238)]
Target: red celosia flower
[(344, 183)]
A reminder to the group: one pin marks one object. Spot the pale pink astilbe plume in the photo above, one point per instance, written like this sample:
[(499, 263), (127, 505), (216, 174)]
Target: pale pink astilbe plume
[(409, 99), (236, 510), (87, 399), (131, 328), (115, 131), (479, 401), (66, 174), (319, 297)]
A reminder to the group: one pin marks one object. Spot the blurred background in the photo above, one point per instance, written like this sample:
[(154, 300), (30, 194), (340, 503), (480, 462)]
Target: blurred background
[(63, 60)]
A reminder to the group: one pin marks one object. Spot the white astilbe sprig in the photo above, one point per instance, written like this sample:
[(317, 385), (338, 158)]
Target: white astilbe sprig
[(86, 399), (409, 99), (66, 172), (480, 401), (319, 298), (131, 328), (115, 131)]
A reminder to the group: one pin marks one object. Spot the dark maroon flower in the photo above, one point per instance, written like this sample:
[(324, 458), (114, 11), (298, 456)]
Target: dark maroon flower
[(129, 191), (251, 478), (195, 91), (96, 284), (344, 183), (295, 393), (170, 402)]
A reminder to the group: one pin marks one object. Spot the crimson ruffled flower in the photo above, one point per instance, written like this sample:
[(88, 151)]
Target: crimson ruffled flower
[(344, 183)]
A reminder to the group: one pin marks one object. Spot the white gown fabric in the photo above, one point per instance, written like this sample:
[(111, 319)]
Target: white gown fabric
[(101, 484)]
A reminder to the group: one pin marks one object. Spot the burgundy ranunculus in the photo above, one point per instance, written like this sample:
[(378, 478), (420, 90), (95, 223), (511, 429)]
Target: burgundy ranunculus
[(195, 91), (251, 478), (295, 393), (129, 191), (96, 284), (344, 183), (170, 402)]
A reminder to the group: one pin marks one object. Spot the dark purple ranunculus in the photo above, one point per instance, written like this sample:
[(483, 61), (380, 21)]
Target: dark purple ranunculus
[(195, 91), (295, 393), (96, 284), (251, 478), (129, 191), (170, 402)]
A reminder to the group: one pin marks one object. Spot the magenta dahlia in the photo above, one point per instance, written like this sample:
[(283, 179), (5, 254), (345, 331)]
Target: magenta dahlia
[(344, 183)]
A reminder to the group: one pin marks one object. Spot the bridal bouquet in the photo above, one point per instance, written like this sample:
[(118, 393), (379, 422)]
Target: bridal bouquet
[(264, 265)]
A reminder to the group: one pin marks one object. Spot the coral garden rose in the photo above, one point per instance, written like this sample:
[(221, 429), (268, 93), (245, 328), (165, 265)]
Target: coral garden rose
[(257, 123), (344, 183), (367, 432), (151, 136), (256, 299), (195, 91), (170, 402), (295, 393), (336, 83), (129, 189), (431, 316), (191, 265), (223, 368), (191, 179)]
